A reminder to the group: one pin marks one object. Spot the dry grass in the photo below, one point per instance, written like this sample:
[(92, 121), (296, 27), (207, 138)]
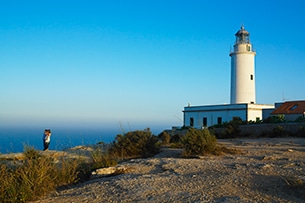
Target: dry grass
[(37, 175), (102, 159), (295, 181)]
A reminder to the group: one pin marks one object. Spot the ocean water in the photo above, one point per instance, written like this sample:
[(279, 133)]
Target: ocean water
[(15, 139)]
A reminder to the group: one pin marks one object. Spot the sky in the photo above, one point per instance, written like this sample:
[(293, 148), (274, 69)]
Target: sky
[(138, 63)]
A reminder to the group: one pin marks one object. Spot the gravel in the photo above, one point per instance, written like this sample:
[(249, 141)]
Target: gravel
[(266, 170)]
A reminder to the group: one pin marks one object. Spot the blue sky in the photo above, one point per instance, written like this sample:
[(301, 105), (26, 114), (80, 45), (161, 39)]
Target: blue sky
[(139, 62)]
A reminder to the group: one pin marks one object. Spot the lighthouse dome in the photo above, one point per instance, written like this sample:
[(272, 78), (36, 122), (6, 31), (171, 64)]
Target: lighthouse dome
[(242, 36), (242, 31)]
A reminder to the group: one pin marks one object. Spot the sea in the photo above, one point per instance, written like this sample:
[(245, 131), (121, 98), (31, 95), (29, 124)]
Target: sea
[(14, 140)]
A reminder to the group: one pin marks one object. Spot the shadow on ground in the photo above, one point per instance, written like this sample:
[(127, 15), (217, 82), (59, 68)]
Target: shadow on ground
[(287, 188)]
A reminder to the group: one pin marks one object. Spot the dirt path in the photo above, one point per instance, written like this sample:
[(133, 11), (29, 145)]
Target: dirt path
[(268, 170), (169, 153)]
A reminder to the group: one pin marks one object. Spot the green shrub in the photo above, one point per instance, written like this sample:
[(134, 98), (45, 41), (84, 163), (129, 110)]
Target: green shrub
[(275, 119), (301, 131), (231, 128), (177, 138), (135, 144), (165, 138), (279, 131), (176, 145), (199, 142), (300, 119)]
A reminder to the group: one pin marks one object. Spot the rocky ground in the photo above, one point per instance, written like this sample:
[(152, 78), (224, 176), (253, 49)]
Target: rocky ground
[(266, 170)]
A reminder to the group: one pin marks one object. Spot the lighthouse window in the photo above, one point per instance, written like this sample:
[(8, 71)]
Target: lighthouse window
[(251, 77), (248, 48)]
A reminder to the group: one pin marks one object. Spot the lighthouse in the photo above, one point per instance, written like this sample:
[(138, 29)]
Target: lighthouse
[(242, 69), (243, 104)]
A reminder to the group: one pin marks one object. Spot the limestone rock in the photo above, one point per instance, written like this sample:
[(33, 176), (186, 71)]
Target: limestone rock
[(109, 171)]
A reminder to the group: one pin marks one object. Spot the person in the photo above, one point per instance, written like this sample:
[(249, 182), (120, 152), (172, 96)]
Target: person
[(46, 139)]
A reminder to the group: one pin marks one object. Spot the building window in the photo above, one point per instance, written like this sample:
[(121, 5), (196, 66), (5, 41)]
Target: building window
[(248, 48), (251, 77), (205, 121), (219, 120), (192, 122)]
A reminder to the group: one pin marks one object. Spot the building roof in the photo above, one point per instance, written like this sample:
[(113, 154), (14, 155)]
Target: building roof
[(291, 107), (227, 107)]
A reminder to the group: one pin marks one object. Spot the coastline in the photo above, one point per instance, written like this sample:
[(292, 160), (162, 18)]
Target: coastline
[(13, 140)]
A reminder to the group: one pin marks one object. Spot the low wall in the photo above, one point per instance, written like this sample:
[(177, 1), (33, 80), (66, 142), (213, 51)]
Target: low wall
[(260, 129)]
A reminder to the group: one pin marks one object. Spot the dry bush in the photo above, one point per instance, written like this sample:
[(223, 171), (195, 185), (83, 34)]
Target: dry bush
[(102, 159), (67, 171), (8, 190), (36, 176), (30, 153)]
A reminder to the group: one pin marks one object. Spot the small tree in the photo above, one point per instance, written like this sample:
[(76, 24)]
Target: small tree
[(300, 119), (278, 131)]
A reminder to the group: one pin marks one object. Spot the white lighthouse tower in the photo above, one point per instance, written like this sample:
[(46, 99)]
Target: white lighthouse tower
[(242, 69), (243, 104)]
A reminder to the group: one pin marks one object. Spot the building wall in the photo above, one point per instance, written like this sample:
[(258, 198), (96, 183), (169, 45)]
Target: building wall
[(214, 114), (267, 112), (211, 117), (254, 114), (292, 117), (259, 111), (217, 114)]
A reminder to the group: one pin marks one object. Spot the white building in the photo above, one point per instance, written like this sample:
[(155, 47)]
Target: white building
[(205, 116), (243, 96)]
